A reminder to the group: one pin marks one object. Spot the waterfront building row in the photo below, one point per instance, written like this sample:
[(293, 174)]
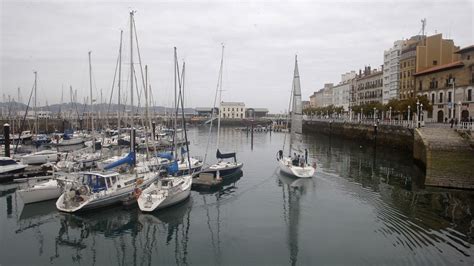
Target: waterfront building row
[(398, 76)]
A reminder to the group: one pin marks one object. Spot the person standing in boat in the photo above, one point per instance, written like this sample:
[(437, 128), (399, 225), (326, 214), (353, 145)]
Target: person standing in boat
[(280, 154), (306, 156), (294, 159), (301, 161)]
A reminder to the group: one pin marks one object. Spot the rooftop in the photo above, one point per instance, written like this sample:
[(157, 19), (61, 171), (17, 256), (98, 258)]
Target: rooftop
[(465, 49), (233, 104), (440, 68)]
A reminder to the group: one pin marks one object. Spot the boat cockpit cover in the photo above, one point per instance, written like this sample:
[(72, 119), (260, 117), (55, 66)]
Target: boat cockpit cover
[(220, 155), (172, 168), (129, 159), (166, 155)]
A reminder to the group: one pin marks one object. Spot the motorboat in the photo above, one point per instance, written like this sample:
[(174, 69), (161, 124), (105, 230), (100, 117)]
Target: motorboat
[(165, 192), (93, 190), (40, 157), (24, 136), (41, 139), (10, 166), (43, 191)]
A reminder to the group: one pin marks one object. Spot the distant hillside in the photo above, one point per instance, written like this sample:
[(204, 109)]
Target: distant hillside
[(79, 107)]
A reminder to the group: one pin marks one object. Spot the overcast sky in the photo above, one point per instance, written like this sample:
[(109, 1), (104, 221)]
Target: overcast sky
[(261, 39)]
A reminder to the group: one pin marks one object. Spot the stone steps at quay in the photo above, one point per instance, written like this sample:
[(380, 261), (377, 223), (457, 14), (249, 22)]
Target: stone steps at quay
[(447, 157)]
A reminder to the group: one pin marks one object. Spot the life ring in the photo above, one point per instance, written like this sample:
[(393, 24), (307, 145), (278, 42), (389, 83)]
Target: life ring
[(137, 192), (83, 190)]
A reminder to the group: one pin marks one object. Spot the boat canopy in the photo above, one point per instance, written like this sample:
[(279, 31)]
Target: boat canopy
[(220, 155), (129, 159), (166, 155), (172, 168)]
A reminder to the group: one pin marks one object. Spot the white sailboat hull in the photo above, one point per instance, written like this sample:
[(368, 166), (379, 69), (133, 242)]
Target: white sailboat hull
[(40, 157), (155, 198), (69, 142), (41, 192), (295, 171), (14, 168), (98, 200)]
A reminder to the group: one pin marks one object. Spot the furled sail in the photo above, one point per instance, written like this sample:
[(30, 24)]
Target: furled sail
[(296, 114)]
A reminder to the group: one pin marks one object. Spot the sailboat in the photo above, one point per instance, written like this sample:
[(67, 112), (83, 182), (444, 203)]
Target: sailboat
[(171, 189), (222, 168), (103, 188), (291, 165)]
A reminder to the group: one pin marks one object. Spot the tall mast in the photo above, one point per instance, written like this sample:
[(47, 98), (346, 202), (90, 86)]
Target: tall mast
[(91, 111), (220, 99), (36, 111), (131, 64), (119, 80), (175, 88), (146, 110), (175, 104)]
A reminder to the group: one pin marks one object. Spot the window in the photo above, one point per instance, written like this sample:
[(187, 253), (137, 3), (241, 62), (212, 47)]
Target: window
[(449, 96), (420, 85), (432, 98), (435, 62), (469, 95), (440, 97), (468, 57)]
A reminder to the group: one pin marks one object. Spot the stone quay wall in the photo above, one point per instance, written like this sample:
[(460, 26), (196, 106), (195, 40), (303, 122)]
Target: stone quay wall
[(447, 158), (387, 135)]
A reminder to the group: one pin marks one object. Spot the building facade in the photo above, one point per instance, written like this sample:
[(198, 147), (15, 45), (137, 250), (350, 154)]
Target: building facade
[(391, 72), (316, 100), (342, 91), (327, 94), (232, 110), (369, 86), (408, 67), (420, 53), (449, 88)]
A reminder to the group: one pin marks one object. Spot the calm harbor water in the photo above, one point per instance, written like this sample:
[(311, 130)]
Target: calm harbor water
[(364, 206)]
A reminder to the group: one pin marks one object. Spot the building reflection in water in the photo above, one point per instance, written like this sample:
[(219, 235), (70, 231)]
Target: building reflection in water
[(407, 210)]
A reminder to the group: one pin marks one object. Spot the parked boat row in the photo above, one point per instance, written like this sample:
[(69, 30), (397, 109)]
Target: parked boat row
[(89, 177)]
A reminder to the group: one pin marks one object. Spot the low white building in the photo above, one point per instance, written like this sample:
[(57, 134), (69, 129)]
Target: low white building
[(233, 110)]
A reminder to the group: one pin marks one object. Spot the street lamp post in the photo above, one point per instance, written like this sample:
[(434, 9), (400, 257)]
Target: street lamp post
[(409, 108), (421, 115), (375, 110), (453, 100), (390, 114), (418, 113), (459, 110)]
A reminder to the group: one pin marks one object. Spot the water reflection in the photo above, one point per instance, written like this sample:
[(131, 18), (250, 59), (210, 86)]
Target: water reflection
[(434, 222), (176, 223), (292, 192)]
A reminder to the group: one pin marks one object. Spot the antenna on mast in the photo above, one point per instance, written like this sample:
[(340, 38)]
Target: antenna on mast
[(423, 26)]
